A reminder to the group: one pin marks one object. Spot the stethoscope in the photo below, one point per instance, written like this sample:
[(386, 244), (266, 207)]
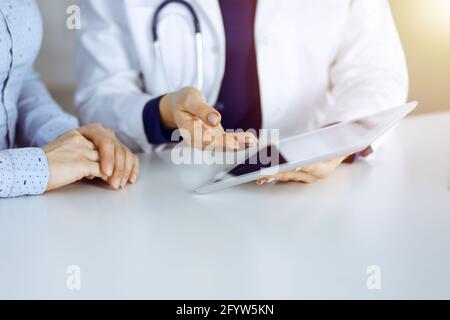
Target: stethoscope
[(198, 42)]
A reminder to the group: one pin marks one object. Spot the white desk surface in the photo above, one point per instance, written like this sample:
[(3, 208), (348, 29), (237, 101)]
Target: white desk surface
[(155, 240)]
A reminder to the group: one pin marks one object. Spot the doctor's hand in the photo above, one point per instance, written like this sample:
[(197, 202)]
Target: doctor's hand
[(199, 123), (117, 162), (308, 174)]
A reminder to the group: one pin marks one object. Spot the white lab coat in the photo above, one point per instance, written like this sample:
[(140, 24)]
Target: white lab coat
[(319, 61)]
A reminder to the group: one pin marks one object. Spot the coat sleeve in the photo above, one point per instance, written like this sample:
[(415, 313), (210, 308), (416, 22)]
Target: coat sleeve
[(109, 82), (370, 72)]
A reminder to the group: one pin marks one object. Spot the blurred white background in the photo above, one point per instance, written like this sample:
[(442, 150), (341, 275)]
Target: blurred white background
[(424, 26), (56, 62)]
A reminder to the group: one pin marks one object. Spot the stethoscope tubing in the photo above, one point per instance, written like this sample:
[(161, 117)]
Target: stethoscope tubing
[(198, 42)]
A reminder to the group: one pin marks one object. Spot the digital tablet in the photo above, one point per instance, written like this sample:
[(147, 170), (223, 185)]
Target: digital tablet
[(328, 143)]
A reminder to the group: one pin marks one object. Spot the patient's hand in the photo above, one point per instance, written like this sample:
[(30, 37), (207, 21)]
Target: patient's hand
[(307, 174), (199, 123), (70, 158), (117, 162), (90, 152)]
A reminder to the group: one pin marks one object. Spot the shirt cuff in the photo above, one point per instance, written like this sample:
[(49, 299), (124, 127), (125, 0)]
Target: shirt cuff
[(23, 172), (154, 130)]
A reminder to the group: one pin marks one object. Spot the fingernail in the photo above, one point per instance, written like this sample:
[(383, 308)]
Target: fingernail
[(123, 183), (116, 185), (213, 119), (133, 178), (270, 180), (234, 145), (250, 144), (261, 182), (109, 170)]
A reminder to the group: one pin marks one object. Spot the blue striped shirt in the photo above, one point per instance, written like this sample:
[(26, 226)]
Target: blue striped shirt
[(28, 115)]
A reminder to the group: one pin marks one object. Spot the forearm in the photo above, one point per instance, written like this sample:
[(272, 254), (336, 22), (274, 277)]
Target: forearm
[(40, 119), (23, 172)]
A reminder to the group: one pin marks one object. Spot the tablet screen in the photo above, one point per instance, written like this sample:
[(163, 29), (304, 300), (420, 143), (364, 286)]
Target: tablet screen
[(265, 158), (303, 147)]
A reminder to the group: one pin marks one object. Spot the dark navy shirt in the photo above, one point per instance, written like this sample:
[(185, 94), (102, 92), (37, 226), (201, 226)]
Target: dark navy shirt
[(239, 98)]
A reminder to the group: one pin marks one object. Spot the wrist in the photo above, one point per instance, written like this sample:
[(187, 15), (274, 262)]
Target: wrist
[(165, 110), (49, 186)]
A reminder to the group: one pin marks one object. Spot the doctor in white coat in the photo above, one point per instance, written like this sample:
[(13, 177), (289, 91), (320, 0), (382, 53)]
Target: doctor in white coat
[(292, 65)]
